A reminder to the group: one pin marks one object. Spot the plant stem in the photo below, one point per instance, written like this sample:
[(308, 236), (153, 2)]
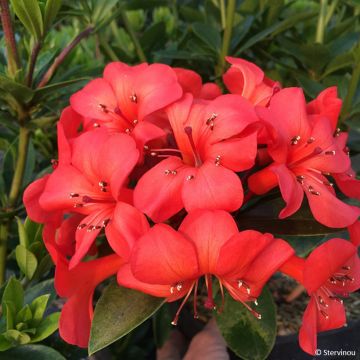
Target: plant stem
[(130, 30), (353, 84), (34, 55), (330, 11), (222, 13), (24, 136), (61, 57), (12, 54), (230, 12), (321, 24)]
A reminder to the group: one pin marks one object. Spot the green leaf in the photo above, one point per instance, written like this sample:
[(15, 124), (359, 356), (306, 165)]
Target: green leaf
[(339, 62), (26, 260), (153, 36), (275, 29), (45, 265), (14, 293), (33, 230), (248, 337), (43, 92), (118, 312), (23, 238), (46, 327), (38, 307), (264, 217), (162, 325), (44, 287), (29, 13), (4, 343), (16, 337), (52, 7), (21, 93), (208, 34), (24, 315), (34, 352), (10, 313)]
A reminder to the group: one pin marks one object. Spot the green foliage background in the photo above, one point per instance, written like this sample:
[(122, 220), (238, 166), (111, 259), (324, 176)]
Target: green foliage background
[(62, 44)]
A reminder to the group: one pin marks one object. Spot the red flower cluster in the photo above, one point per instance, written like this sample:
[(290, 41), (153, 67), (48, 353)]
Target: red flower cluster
[(147, 141)]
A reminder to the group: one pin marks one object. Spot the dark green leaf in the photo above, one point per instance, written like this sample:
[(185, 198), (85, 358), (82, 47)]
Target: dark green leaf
[(148, 4), (33, 352), (263, 216), (162, 325), (26, 260), (30, 164), (249, 337), (20, 92), (208, 34), (24, 315), (29, 13), (339, 62), (153, 36), (42, 288), (52, 7), (14, 293), (33, 230), (46, 327), (4, 343), (119, 311)]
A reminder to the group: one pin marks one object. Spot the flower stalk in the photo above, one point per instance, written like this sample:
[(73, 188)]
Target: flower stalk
[(321, 24), (12, 54)]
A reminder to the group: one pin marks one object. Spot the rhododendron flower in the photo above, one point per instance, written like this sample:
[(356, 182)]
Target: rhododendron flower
[(91, 180), (211, 138), (191, 82), (248, 80), (126, 96), (304, 153), (331, 271), (207, 244)]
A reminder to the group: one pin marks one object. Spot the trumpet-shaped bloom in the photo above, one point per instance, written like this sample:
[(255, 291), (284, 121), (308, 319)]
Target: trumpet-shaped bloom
[(304, 152), (91, 180), (214, 140), (207, 244), (126, 96), (248, 80), (331, 271)]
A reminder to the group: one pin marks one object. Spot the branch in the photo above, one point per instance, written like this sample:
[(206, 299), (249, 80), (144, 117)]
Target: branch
[(64, 53)]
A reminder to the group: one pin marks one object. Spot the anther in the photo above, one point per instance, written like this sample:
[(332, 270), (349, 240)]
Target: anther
[(73, 195), (346, 267), (135, 121), (217, 160), (127, 131), (210, 120), (78, 205), (167, 172), (173, 172), (103, 108), (103, 183), (105, 222), (246, 286), (330, 152), (81, 226), (133, 98), (335, 298), (322, 302), (96, 125), (54, 163), (90, 228), (300, 179), (337, 132), (310, 140), (349, 278), (328, 183), (146, 148), (312, 191), (332, 280), (324, 314), (295, 140), (256, 302), (190, 177)]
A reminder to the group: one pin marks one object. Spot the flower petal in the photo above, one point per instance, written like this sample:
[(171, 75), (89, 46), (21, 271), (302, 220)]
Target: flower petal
[(210, 91), (178, 261), (326, 260), (213, 188), (209, 231), (157, 193), (308, 330), (189, 80), (71, 122)]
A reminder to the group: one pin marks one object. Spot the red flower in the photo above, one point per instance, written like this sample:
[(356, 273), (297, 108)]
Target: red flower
[(126, 96), (191, 82), (304, 153), (207, 244), (211, 138), (331, 270), (248, 80), (91, 180)]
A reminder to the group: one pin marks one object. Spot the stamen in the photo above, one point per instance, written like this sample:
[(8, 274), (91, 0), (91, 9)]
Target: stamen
[(127, 131), (337, 132), (210, 120), (81, 226), (176, 318), (135, 121), (190, 177), (295, 140), (91, 228), (103, 108), (300, 179), (312, 191), (335, 298), (78, 205), (96, 125), (241, 283), (209, 302), (217, 160), (196, 315), (105, 222), (322, 302), (54, 163), (328, 183), (310, 140), (324, 314), (346, 267), (256, 302), (222, 297), (330, 152), (73, 195), (188, 131), (133, 98)]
